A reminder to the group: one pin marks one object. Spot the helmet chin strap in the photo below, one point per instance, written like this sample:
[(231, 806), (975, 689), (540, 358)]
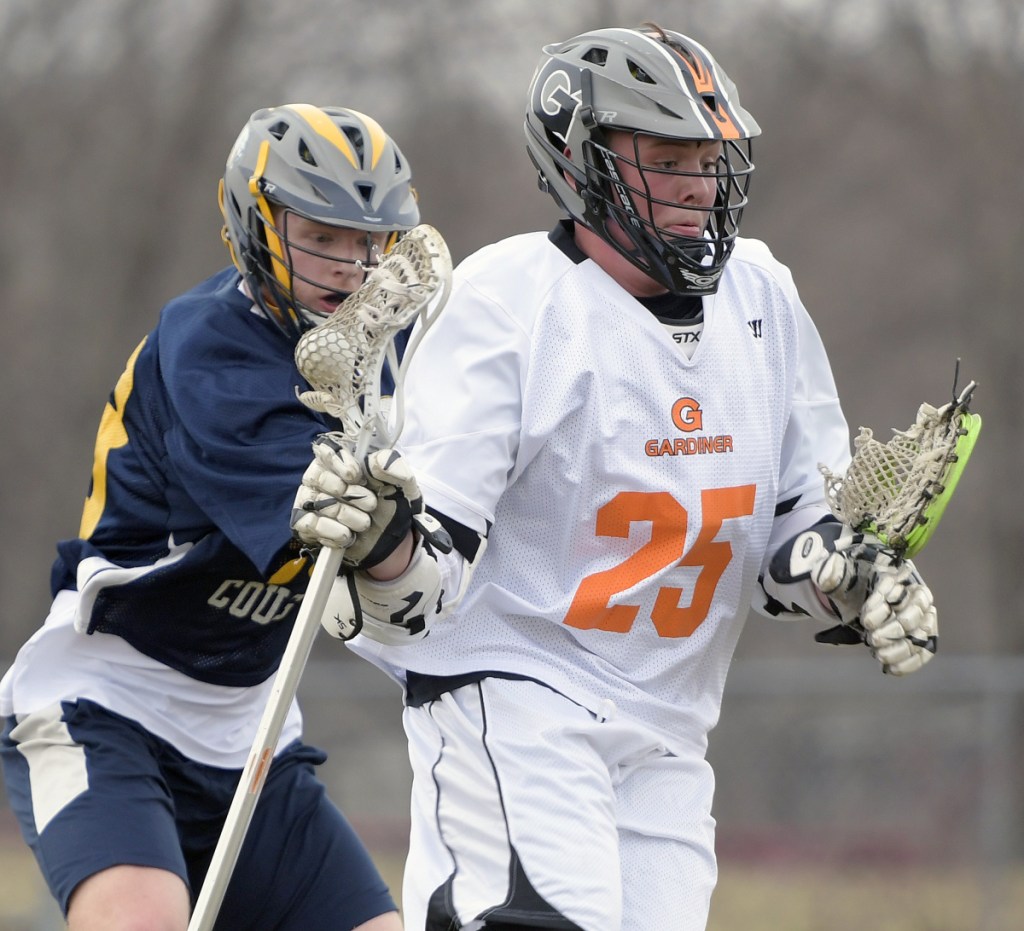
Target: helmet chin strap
[(696, 250)]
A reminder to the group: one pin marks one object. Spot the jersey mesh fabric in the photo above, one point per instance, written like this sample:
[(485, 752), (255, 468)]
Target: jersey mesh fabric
[(618, 474), (183, 570)]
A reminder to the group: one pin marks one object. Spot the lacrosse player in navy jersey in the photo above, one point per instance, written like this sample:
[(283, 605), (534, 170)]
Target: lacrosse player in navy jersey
[(619, 424), (131, 712)]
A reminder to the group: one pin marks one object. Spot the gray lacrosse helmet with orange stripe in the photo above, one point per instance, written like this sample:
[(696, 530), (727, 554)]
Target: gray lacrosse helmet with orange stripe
[(646, 81), (328, 164)]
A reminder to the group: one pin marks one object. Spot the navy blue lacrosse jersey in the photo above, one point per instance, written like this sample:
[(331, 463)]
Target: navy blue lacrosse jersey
[(185, 548)]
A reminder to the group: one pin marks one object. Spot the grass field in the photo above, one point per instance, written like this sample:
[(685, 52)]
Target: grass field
[(748, 898), (809, 899), (806, 898)]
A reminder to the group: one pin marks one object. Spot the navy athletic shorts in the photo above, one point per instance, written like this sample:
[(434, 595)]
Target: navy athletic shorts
[(133, 799)]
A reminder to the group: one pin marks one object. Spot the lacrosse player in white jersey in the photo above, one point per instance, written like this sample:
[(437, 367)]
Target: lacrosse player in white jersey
[(619, 424)]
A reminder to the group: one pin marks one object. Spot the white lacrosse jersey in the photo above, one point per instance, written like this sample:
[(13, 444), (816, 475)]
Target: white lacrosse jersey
[(630, 490)]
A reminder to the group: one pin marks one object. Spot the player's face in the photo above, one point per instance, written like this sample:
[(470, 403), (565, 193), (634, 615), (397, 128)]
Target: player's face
[(327, 262), (672, 181)]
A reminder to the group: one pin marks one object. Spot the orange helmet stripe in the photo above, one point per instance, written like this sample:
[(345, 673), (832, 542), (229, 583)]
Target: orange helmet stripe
[(704, 83)]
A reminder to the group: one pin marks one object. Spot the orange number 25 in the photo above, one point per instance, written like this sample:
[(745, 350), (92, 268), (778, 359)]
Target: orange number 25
[(590, 608)]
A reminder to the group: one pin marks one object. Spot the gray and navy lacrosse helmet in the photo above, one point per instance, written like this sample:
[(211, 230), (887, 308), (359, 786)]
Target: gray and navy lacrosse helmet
[(328, 164), (647, 81)]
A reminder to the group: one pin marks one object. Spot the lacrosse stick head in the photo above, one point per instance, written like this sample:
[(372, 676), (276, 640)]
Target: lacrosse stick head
[(342, 358), (899, 490)]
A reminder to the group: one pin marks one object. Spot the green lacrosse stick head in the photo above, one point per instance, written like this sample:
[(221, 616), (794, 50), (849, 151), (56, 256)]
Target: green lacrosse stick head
[(898, 490), (932, 514)]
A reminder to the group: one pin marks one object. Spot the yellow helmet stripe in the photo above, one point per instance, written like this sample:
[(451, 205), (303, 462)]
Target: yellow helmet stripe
[(324, 126), (274, 244), (378, 138)]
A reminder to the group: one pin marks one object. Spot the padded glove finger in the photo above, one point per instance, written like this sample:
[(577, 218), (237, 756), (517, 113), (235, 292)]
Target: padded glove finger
[(388, 467), (898, 593), (399, 500), (337, 459), (901, 653), (327, 511), (356, 498), (912, 663), (318, 478), (322, 520)]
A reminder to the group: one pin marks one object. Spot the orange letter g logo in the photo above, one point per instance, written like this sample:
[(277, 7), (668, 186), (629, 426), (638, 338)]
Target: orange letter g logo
[(687, 415)]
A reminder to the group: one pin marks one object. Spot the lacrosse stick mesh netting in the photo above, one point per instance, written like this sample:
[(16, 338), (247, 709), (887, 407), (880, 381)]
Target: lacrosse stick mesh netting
[(889, 486), (342, 357)]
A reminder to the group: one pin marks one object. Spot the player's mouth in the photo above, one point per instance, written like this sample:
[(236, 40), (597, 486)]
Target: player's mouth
[(328, 304), (685, 230)]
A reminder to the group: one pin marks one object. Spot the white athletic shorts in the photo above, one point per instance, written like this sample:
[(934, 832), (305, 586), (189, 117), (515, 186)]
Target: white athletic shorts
[(528, 808)]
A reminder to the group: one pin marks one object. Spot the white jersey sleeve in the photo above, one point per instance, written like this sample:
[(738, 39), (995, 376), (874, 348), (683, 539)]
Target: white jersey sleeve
[(816, 434), (465, 444)]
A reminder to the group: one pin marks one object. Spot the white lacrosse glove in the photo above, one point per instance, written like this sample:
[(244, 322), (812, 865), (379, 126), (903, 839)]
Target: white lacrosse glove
[(332, 504), (831, 572), (367, 511), (399, 500)]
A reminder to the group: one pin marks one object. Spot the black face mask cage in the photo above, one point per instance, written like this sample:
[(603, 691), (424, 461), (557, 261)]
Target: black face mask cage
[(372, 257), (681, 264)]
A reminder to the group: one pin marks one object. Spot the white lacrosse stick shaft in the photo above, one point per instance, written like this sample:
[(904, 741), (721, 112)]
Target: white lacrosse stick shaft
[(254, 775)]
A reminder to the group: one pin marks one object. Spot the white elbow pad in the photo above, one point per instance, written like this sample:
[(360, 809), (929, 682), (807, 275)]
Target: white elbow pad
[(395, 612)]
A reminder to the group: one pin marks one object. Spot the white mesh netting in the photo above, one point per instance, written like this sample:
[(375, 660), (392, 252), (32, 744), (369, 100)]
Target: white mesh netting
[(342, 357)]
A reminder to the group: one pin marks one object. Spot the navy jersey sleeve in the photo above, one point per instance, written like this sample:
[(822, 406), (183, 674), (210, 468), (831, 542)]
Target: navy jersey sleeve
[(239, 438), (185, 548)]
